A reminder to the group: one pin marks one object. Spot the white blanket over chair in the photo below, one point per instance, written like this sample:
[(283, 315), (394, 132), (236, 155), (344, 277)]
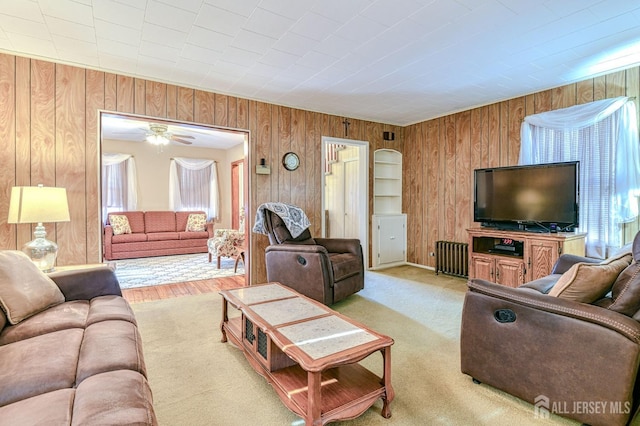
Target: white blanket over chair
[(293, 217)]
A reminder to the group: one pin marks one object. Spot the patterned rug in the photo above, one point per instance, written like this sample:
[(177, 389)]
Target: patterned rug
[(149, 271)]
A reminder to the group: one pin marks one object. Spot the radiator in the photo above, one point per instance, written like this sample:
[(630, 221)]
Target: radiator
[(452, 258)]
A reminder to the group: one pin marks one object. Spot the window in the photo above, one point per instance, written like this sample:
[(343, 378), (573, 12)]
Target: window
[(119, 184), (603, 136), (193, 185)]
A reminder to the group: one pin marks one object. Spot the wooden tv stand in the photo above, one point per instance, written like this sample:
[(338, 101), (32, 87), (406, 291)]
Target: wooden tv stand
[(533, 256), (308, 352)]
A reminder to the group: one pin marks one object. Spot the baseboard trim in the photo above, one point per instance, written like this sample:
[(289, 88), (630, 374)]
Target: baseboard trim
[(391, 265), (417, 265)]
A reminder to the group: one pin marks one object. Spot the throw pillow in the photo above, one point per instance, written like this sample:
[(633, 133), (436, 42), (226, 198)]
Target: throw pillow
[(588, 282), (24, 289), (196, 222), (120, 224)]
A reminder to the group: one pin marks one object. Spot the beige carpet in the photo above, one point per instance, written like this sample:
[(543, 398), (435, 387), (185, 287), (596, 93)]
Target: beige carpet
[(197, 380)]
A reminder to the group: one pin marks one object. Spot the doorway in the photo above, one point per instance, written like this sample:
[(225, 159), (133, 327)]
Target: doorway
[(225, 146), (345, 199)]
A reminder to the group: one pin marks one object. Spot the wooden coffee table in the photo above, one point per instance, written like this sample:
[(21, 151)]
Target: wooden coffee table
[(308, 352)]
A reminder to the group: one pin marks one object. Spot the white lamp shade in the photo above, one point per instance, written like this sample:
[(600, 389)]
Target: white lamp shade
[(38, 204)]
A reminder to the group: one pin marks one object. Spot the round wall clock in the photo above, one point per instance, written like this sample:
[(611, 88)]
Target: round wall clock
[(290, 161)]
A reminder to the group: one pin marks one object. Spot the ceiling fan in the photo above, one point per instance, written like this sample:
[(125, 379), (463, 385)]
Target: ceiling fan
[(159, 135)]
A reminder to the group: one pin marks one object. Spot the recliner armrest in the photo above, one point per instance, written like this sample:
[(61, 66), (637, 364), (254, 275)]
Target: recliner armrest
[(85, 284), (620, 323), (297, 248), (341, 245), (566, 261), (529, 344)]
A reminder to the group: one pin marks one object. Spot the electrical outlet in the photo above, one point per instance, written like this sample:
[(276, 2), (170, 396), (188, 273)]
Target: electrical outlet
[(432, 254)]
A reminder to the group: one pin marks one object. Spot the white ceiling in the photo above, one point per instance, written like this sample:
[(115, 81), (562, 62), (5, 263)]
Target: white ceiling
[(391, 61), (136, 129)]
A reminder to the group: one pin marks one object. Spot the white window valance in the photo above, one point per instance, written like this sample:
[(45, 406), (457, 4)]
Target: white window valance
[(577, 116), (603, 136)]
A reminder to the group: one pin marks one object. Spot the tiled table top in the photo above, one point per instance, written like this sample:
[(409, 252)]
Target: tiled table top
[(313, 328), (325, 336)]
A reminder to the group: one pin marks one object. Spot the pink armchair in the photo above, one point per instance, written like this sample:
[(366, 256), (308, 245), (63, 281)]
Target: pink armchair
[(227, 243)]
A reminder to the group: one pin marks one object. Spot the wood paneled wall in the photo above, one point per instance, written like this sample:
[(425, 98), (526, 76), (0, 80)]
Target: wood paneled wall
[(441, 154), (49, 133)]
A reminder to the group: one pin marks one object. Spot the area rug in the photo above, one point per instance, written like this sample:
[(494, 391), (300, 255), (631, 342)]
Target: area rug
[(197, 380), (148, 271)]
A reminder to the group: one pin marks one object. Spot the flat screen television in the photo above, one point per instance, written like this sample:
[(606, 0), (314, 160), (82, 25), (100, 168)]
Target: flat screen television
[(540, 197)]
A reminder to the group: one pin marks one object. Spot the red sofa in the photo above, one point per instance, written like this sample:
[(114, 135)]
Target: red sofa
[(155, 233)]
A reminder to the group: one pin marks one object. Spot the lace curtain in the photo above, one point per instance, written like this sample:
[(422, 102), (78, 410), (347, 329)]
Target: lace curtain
[(603, 136), (119, 184), (193, 185)]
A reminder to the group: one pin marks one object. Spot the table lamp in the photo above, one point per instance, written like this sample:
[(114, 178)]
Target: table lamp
[(39, 204)]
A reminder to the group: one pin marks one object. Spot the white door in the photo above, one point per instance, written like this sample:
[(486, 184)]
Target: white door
[(334, 201), (342, 205)]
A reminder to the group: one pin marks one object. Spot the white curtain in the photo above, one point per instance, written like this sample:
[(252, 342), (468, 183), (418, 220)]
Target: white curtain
[(119, 183), (193, 185), (603, 136)]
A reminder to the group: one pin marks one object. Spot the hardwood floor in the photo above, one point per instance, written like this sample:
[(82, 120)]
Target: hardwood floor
[(167, 291)]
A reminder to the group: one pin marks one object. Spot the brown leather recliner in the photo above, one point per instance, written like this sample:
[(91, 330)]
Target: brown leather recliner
[(574, 359), (324, 269)]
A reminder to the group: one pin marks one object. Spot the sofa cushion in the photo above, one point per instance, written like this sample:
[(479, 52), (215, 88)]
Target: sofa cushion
[(128, 395), (588, 282), (24, 289), (119, 224), (110, 346), (193, 235), (129, 238), (60, 317), (625, 293), (108, 308), (136, 220), (47, 363), (162, 236), (543, 284), (196, 222), (162, 221), (283, 235), (183, 217), (51, 408), (344, 265)]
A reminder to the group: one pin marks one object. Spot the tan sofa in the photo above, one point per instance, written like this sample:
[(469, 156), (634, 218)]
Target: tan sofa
[(573, 351), (155, 233), (78, 361)]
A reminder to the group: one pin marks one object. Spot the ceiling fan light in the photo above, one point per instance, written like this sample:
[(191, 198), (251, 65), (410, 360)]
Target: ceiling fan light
[(157, 140)]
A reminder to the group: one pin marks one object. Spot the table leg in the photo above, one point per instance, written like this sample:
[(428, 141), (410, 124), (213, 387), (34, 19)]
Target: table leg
[(238, 257), (314, 399), (225, 319), (389, 393)]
